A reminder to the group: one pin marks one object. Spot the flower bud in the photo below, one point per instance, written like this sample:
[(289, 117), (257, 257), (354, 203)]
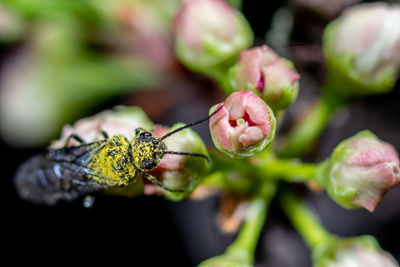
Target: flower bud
[(362, 53), (146, 28), (209, 34), (244, 126), (360, 171), (120, 120), (274, 78), (178, 172), (361, 251)]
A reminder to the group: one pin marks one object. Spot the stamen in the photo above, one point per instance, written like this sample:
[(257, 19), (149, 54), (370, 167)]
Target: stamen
[(246, 117), (241, 121)]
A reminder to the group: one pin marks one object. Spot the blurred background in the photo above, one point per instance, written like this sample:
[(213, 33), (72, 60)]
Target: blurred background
[(64, 60)]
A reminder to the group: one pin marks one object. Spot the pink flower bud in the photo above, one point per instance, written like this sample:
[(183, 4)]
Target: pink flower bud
[(146, 32), (363, 45), (362, 35), (356, 251), (361, 170), (208, 32), (244, 126), (179, 172), (120, 120), (260, 69)]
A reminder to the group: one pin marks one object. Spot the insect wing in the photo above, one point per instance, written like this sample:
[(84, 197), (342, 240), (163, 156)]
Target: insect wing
[(59, 175)]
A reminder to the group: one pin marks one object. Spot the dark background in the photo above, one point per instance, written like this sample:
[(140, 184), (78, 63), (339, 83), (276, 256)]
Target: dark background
[(150, 231)]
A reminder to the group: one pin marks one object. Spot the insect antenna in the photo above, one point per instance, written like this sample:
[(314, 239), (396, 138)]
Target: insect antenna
[(191, 124), (188, 154)]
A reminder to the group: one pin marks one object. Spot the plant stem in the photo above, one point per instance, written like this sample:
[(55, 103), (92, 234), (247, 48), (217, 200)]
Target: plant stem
[(308, 129), (246, 241), (266, 166), (288, 170), (304, 220), (304, 133)]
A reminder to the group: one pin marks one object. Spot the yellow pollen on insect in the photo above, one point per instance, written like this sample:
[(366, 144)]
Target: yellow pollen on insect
[(110, 162)]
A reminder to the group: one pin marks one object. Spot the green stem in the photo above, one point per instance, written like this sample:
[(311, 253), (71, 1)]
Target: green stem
[(246, 241), (303, 135), (221, 163), (265, 166), (288, 170), (307, 131), (304, 220), (225, 85)]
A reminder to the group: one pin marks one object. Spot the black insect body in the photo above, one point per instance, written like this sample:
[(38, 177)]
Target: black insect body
[(67, 173), (46, 179)]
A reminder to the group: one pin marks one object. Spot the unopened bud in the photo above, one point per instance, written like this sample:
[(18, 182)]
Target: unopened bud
[(209, 34), (260, 69), (179, 174), (120, 120), (361, 251), (362, 49), (244, 126), (360, 171)]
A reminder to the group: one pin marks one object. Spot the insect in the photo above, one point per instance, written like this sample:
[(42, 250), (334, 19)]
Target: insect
[(66, 173)]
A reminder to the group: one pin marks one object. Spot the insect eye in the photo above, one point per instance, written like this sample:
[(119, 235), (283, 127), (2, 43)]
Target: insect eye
[(145, 136)]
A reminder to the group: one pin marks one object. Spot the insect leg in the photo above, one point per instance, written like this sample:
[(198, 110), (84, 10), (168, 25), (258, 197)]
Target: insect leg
[(126, 180), (154, 180), (104, 134), (76, 138)]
